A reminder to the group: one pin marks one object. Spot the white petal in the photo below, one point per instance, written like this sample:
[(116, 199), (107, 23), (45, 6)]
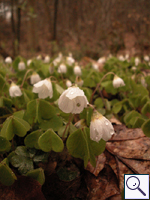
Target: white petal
[(73, 92), (39, 84), (65, 104), (43, 92)]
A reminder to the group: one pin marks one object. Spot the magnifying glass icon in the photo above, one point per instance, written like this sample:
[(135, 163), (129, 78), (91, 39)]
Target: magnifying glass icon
[(133, 183)]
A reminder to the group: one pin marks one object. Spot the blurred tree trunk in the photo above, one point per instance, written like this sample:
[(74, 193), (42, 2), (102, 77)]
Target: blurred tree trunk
[(32, 26), (55, 20), (18, 28), (15, 26)]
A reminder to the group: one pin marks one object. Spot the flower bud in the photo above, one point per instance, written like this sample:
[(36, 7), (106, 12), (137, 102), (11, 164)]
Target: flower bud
[(21, 66), (68, 83), (70, 60), (14, 90), (62, 69), (43, 88), (100, 127), (47, 59), (79, 81), (29, 62), (8, 60), (118, 82), (77, 70), (35, 78)]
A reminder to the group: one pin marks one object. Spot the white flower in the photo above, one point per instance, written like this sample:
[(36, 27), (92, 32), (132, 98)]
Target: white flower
[(34, 78), (43, 88), (101, 60), (39, 57), (118, 82), (68, 83), (137, 61), (95, 66), (134, 68), (146, 58), (79, 81), (77, 70), (126, 56), (51, 69), (143, 82), (57, 60), (62, 69), (100, 127), (70, 60), (29, 62), (8, 60), (72, 100), (14, 90), (21, 66), (47, 59), (121, 58)]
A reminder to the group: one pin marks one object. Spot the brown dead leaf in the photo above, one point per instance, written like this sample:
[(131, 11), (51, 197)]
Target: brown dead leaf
[(128, 152), (103, 186), (124, 133), (100, 162), (24, 188), (135, 149), (114, 120)]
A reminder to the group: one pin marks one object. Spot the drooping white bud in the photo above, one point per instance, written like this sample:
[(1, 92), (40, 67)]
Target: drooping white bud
[(137, 61), (21, 66), (35, 78), (14, 90), (51, 68), (79, 81), (70, 61), (121, 58), (77, 70), (29, 62), (72, 100), (118, 82), (43, 88), (146, 58), (57, 60), (47, 59), (68, 83), (100, 127), (62, 68), (143, 82), (39, 57), (8, 60), (95, 66), (101, 60)]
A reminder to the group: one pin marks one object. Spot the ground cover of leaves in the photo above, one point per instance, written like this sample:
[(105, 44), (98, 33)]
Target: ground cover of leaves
[(128, 152)]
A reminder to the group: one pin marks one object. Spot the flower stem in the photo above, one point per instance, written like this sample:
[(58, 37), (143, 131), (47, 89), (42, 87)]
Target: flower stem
[(25, 77), (98, 85), (70, 119)]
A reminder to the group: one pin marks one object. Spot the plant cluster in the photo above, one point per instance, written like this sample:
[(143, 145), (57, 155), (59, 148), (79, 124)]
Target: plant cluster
[(56, 104)]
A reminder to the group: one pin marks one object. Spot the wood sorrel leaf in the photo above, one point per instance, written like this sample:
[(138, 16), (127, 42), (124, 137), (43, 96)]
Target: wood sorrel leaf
[(3, 84), (31, 140), (37, 174), (4, 144), (50, 141), (31, 114), (38, 110), (81, 146), (21, 159), (146, 128), (54, 123), (7, 176)]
